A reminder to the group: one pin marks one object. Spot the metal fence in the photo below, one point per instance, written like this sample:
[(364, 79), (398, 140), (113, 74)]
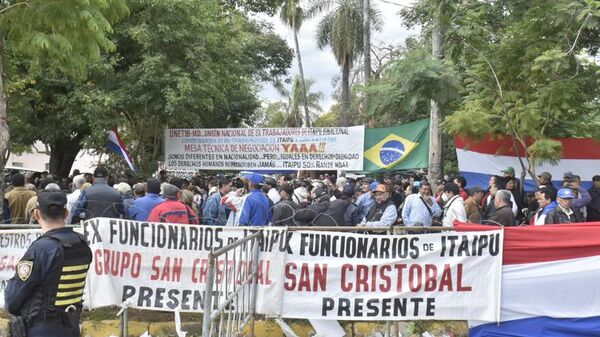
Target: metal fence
[(231, 286)]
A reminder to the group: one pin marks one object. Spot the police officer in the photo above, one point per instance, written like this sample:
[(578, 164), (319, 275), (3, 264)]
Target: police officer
[(46, 292)]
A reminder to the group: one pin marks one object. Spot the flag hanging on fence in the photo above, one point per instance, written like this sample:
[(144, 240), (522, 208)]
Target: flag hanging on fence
[(115, 144), (549, 282), (401, 147), (478, 160)]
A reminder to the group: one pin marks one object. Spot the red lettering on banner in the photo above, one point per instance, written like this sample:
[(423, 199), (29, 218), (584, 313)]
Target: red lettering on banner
[(263, 275), (387, 281), (115, 263), (155, 269), (399, 268), (304, 282), (290, 276), (414, 281), (98, 262), (430, 277), (8, 262), (314, 279), (362, 277), (459, 278), (446, 280), (346, 286)]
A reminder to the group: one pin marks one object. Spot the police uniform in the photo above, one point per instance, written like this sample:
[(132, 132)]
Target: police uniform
[(47, 289)]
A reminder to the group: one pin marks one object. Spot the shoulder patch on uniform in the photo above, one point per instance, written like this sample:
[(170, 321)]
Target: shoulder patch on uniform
[(24, 269)]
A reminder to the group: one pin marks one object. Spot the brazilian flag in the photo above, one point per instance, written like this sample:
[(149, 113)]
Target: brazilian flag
[(401, 147)]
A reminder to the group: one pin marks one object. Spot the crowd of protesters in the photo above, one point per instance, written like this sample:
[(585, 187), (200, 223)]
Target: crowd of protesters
[(253, 199)]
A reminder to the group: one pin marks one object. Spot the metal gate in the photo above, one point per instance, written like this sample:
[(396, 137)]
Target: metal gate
[(231, 285)]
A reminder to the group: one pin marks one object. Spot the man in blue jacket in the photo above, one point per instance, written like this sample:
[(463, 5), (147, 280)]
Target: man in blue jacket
[(141, 208), (257, 210), (214, 212)]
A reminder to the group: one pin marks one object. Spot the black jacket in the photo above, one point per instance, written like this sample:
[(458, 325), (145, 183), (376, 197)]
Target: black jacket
[(557, 216), (593, 209), (283, 213), (323, 213)]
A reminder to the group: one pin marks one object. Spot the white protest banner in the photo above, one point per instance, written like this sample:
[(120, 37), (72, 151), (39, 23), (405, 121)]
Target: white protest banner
[(158, 266), (13, 244), (266, 149), (445, 276)]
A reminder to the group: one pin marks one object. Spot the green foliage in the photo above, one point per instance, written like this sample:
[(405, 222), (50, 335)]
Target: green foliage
[(407, 86), (527, 68), (255, 6), (329, 119), (342, 28), (70, 33), (177, 64), (288, 113)]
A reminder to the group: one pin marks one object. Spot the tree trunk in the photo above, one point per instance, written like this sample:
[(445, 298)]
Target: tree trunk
[(366, 49), (62, 156), (301, 71), (435, 171), (4, 130), (345, 92)]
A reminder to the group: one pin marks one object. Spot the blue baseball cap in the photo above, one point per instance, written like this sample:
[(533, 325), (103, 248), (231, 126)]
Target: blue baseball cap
[(254, 178), (374, 185), (566, 193)]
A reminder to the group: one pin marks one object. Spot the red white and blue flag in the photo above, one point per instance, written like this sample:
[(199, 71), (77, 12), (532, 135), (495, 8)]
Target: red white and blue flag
[(115, 144), (550, 282), (477, 161)]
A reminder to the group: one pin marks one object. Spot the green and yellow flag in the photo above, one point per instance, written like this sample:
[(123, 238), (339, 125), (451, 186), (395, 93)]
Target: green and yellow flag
[(401, 147)]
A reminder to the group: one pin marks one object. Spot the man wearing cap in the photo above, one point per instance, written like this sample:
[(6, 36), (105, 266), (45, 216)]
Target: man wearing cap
[(100, 200), (172, 210), (473, 208), (545, 180), (272, 193), (46, 293), (141, 208), (420, 208), (582, 196), (257, 210), (383, 212), (563, 213), (284, 210)]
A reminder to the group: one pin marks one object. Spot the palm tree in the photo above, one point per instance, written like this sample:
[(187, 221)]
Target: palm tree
[(342, 30), (288, 113), (292, 15)]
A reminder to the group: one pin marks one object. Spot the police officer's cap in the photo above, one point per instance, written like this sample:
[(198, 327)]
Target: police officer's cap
[(52, 203)]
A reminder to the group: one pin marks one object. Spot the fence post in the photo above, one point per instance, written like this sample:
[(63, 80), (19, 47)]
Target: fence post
[(256, 256), (208, 297), (123, 331)]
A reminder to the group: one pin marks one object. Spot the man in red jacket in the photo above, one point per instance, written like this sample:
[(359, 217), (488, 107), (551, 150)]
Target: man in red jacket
[(171, 210)]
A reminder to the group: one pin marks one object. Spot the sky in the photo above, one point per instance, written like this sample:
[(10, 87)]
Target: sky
[(320, 65)]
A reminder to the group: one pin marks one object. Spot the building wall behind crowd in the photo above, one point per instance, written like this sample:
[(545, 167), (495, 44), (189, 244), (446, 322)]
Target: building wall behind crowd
[(37, 160)]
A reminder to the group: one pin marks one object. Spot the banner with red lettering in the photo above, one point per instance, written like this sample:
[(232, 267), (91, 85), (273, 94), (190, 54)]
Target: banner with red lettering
[(13, 244), (160, 266), (301, 274), (444, 276), (331, 148)]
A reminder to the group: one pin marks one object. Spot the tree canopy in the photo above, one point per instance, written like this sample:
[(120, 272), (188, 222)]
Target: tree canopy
[(176, 64)]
